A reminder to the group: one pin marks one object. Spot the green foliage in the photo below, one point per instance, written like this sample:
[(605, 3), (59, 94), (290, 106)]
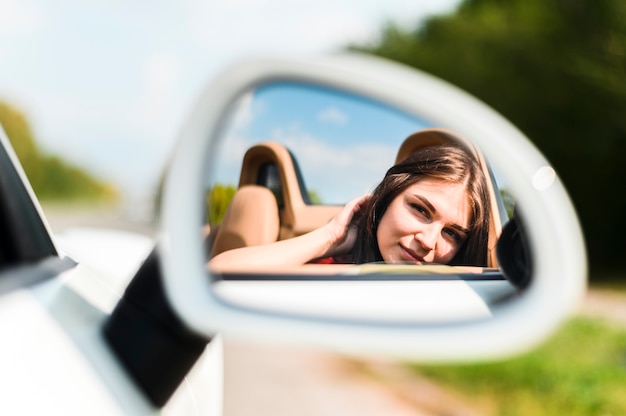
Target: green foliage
[(556, 70), (218, 199), (580, 371), (64, 181), (314, 197), (50, 177), (20, 135), (508, 201)]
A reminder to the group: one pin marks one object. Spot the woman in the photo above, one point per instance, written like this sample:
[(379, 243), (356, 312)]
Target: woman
[(438, 197), (433, 207)]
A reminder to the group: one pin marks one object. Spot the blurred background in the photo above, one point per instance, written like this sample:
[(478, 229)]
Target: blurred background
[(96, 93), (93, 95)]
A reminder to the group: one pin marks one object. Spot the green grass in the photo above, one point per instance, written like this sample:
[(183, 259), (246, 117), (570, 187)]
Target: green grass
[(579, 371)]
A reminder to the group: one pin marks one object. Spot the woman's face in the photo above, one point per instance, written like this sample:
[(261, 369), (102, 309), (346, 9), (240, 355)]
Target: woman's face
[(427, 223)]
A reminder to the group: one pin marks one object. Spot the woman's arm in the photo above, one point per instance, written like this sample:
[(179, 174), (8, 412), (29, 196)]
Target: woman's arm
[(335, 238)]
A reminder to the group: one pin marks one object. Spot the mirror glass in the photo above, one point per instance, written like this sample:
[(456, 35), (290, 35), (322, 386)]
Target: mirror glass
[(343, 144), (291, 155)]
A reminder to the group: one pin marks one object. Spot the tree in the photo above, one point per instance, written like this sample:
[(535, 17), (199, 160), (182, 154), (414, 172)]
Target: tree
[(218, 199), (51, 177), (555, 68), (20, 135)]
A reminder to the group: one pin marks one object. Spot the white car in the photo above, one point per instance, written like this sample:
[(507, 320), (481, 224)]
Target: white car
[(82, 340)]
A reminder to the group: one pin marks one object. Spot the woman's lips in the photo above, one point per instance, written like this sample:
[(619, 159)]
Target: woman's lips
[(410, 255)]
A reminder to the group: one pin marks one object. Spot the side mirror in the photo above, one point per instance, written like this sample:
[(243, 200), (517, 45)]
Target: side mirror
[(373, 308)]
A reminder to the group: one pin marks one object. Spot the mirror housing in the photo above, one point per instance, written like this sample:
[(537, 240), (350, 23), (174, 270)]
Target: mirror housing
[(553, 233)]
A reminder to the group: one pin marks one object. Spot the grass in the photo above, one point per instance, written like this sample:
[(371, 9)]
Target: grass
[(579, 371)]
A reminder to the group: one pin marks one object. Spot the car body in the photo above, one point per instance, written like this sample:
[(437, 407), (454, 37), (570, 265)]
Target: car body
[(54, 357)]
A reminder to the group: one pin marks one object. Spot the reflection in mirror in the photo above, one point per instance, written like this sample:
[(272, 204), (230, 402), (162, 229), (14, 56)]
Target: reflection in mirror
[(316, 185)]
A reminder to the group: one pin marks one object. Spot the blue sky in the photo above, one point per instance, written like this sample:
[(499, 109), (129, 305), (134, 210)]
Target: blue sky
[(107, 84), (343, 143)]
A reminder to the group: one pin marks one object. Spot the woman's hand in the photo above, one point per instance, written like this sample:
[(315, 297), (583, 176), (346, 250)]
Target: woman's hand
[(343, 227)]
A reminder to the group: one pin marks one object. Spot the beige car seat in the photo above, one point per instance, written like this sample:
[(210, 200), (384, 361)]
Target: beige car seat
[(251, 219), (270, 164), (271, 202)]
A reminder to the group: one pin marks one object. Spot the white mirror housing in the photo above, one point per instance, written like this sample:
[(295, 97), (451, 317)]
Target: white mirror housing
[(557, 248)]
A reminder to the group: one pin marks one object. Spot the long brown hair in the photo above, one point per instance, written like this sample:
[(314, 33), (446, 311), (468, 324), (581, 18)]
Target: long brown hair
[(451, 162)]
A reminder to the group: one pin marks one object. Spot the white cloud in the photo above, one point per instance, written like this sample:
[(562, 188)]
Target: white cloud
[(278, 26), (160, 78), (20, 17), (331, 31), (162, 71), (338, 173), (234, 28), (333, 115)]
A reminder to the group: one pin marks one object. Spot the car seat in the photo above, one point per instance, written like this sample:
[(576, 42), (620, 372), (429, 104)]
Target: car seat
[(270, 204), (251, 219), (272, 165)]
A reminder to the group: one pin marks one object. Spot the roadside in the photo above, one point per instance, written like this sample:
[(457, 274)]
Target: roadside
[(278, 380), (606, 304), (263, 379), (131, 218)]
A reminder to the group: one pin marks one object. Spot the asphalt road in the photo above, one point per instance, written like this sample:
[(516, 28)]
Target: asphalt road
[(278, 380)]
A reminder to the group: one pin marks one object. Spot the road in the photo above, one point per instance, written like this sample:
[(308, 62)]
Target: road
[(278, 380)]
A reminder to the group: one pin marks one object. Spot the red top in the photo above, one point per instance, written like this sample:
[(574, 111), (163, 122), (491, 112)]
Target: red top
[(330, 260)]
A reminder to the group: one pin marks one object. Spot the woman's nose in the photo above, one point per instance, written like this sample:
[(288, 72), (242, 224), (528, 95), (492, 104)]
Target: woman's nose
[(427, 237)]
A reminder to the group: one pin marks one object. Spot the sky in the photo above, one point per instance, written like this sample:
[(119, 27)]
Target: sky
[(108, 84), (343, 143)]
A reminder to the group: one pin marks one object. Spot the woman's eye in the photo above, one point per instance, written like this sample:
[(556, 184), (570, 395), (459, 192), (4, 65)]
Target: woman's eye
[(419, 209), (451, 233)]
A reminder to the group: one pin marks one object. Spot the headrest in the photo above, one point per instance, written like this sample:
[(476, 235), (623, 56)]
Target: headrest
[(429, 137)]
